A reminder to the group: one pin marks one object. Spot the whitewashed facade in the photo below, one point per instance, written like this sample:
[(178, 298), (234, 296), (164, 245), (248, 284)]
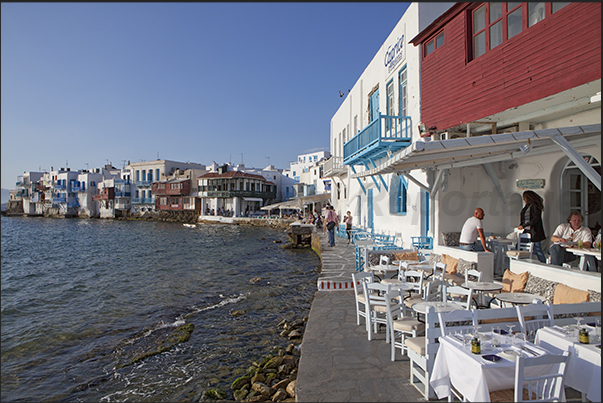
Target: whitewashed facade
[(390, 85)]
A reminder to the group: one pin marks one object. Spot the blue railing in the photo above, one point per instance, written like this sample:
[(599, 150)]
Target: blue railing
[(122, 194), (382, 134), (60, 187), (59, 200), (143, 183)]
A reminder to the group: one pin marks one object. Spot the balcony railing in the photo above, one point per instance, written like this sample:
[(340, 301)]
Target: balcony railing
[(59, 200), (78, 188), (143, 183), (122, 194), (140, 200), (383, 135), (60, 187), (236, 193), (334, 167)]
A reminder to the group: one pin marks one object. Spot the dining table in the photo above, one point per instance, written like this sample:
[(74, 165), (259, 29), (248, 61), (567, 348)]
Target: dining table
[(439, 306), (587, 257), (479, 287), (474, 376), (384, 270), (518, 298), (583, 372)]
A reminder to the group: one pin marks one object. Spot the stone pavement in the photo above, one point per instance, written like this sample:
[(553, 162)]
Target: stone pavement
[(338, 363)]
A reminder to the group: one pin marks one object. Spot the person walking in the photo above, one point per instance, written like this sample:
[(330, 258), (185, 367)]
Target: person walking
[(347, 220), (331, 221), (531, 221)]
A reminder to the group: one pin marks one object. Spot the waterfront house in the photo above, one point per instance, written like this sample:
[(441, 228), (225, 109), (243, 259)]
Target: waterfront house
[(236, 192), (176, 193), (144, 173), (377, 118)]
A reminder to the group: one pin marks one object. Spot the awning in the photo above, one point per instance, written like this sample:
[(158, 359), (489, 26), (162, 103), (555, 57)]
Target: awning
[(324, 197), (258, 199), (470, 151), (289, 204)]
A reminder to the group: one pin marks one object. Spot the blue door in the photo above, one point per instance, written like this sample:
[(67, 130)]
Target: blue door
[(370, 209), (374, 107)]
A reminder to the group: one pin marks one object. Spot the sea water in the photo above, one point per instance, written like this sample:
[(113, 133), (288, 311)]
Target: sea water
[(82, 296)]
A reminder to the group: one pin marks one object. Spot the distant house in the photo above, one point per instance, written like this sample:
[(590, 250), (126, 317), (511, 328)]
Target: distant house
[(239, 193)]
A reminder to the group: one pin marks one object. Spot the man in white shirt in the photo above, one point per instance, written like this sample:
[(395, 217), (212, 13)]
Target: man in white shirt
[(471, 229), (569, 234)]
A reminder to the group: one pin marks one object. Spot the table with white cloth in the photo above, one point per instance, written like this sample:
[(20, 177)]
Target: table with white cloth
[(587, 257), (473, 376), (583, 372), (439, 306)]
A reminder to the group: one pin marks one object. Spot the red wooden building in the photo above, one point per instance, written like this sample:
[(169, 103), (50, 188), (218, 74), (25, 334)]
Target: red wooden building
[(174, 194), (482, 59)]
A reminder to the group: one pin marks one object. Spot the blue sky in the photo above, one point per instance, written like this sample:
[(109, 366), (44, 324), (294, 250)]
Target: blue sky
[(84, 84)]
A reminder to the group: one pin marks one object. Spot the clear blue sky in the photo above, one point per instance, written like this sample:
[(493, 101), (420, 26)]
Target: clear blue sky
[(87, 83)]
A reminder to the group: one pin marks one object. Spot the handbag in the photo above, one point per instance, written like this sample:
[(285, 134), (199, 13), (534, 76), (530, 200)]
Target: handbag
[(331, 225)]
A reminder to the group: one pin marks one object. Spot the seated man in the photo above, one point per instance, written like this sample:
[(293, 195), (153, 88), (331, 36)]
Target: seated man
[(471, 229), (569, 234)]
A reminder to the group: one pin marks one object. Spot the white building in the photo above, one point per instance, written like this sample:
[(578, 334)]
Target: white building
[(379, 117), (144, 173)]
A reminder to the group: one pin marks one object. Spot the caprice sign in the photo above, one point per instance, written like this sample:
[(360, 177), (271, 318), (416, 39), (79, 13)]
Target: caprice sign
[(394, 54)]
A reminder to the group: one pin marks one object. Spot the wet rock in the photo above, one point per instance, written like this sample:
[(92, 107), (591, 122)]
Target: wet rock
[(279, 395), (255, 280), (215, 394), (273, 362), (239, 312), (291, 388), (262, 388), (281, 384)]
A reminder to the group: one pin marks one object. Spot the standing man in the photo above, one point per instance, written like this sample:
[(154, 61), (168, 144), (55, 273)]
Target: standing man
[(471, 229), (567, 234), (331, 221)]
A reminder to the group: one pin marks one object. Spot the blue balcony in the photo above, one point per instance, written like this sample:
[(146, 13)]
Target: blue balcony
[(143, 183), (60, 187), (78, 188), (59, 200), (382, 136), (119, 193)]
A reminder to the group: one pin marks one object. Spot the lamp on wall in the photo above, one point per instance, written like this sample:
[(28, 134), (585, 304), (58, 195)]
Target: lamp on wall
[(423, 129)]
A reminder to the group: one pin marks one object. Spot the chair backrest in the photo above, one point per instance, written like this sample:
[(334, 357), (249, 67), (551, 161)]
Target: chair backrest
[(473, 275), (362, 277), (434, 290), (459, 321), (524, 242), (375, 294), (415, 277), (545, 387), (486, 319), (439, 271), (461, 295), (533, 317), (563, 314), (383, 259)]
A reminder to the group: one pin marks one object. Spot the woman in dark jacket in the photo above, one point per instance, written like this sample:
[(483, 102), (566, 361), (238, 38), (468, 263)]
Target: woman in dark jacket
[(531, 221)]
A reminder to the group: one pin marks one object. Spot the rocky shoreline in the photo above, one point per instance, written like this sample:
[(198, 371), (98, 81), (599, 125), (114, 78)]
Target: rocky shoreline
[(272, 379)]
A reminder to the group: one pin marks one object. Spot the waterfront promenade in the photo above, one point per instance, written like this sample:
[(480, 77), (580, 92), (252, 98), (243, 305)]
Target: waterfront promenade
[(338, 363)]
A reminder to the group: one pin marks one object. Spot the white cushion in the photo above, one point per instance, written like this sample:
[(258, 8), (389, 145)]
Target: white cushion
[(408, 324), (416, 344)]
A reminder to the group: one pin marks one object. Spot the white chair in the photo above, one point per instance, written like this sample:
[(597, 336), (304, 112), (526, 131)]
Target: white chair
[(524, 248), (357, 279), (376, 307), (547, 386), (459, 321), (533, 317), (439, 271), (473, 275), (398, 324), (463, 296), (434, 291)]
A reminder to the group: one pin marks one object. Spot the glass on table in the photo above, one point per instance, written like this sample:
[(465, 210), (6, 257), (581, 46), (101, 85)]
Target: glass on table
[(519, 339), (467, 341), (496, 336), (510, 333)]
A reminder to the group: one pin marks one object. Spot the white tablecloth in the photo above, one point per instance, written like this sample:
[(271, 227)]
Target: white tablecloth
[(584, 369), (470, 374)]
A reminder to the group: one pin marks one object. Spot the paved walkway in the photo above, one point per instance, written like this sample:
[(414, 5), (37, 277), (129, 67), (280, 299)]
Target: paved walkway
[(338, 363)]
